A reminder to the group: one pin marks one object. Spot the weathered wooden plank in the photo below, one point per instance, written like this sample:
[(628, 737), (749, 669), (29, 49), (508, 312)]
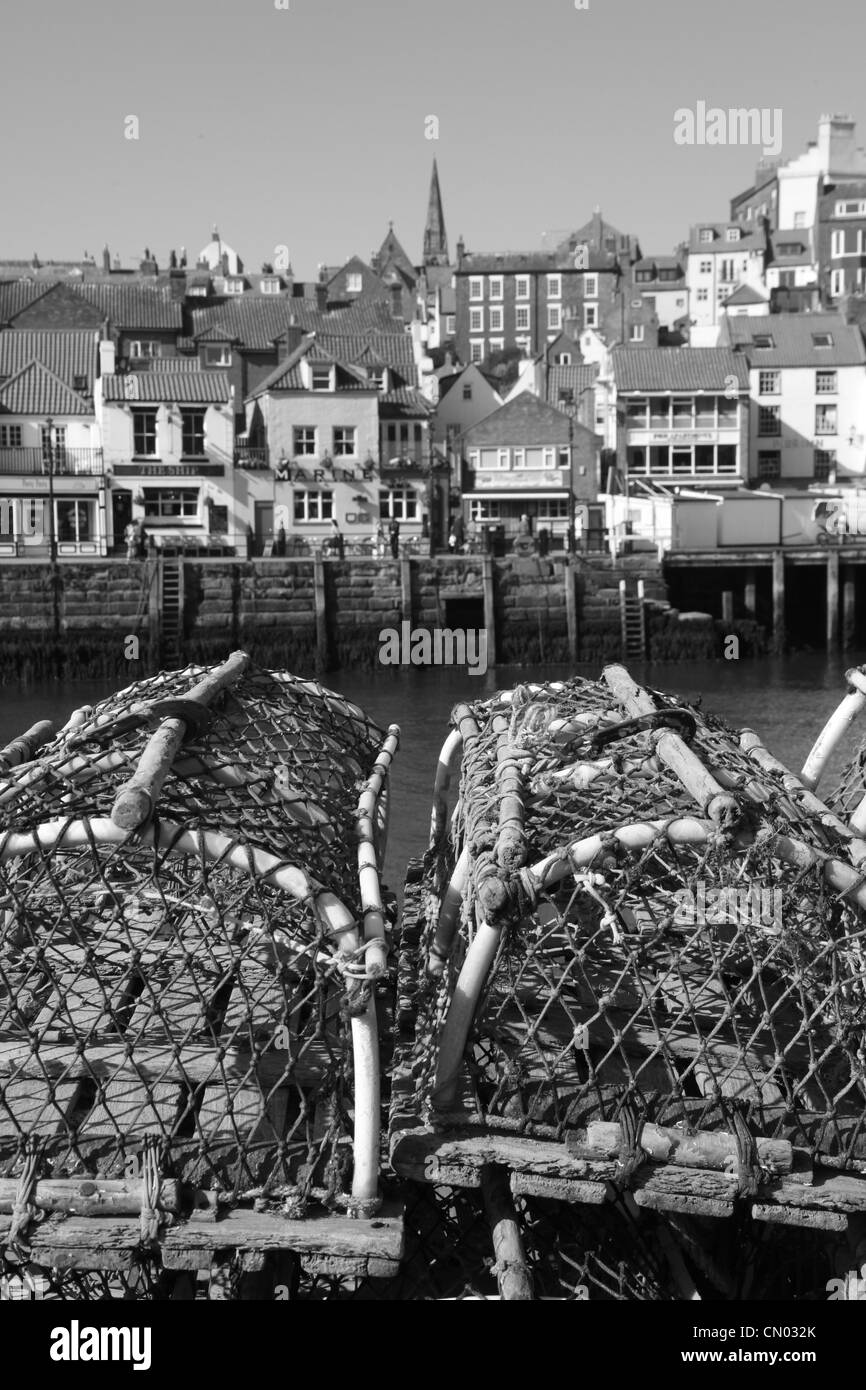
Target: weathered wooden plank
[(154, 1062), (27, 1107), (811, 1218), (130, 1109), (90, 1196), (708, 1149), (427, 1155), (82, 1238)]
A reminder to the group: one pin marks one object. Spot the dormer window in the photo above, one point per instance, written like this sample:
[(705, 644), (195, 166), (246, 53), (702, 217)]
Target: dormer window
[(706, 234), (219, 356), (762, 340), (320, 378), (79, 383), (822, 340), (354, 282), (376, 377), (270, 284), (234, 285), (732, 234)]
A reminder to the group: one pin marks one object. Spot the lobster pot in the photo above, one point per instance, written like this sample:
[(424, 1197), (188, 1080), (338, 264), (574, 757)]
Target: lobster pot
[(188, 1008), (632, 963)]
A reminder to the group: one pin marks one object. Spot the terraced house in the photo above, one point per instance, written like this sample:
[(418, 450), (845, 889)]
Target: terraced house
[(52, 475)]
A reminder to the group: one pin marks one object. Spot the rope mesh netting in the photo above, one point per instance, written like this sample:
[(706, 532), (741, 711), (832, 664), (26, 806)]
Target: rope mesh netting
[(689, 977), (166, 1009)]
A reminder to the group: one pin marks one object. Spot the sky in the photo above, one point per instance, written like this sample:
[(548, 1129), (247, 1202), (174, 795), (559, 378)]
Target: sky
[(307, 126)]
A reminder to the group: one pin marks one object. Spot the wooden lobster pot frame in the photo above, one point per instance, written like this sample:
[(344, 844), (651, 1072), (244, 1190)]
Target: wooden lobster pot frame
[(188, 999), (633, 968)]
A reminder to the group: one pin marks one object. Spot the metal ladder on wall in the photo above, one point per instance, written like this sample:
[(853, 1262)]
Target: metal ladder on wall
[(633, 621), (170, 611)]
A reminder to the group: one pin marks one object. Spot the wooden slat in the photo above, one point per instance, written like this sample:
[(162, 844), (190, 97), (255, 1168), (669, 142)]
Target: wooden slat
[(155, 1062), (27, 1106), (130, 1110)]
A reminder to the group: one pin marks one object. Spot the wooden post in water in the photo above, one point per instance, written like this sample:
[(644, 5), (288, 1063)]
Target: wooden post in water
[(832, 600), (750, 592), (321, 613), (849, 608), (489, 609), (728, 607), (569, 577), (406, 589), (778, 599)]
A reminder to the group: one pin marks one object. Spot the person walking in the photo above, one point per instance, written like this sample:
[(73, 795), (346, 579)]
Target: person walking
[(129, 536), (338, 541), (394, 536), (380, 542), (141, 542)]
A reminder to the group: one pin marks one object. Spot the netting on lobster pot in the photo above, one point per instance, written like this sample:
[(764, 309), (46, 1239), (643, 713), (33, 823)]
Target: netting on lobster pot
[(177, 1001), (638, 921)]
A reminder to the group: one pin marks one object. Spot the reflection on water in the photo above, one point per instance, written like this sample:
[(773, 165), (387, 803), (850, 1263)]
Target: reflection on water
[(786, 699)]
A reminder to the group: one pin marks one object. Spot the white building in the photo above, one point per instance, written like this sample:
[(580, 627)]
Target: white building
[(721, 257), (807, 383)]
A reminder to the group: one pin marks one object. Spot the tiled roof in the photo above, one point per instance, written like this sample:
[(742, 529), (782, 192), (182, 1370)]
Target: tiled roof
[(37, 391), (16, 295), (182, 387), (749, 239), (391, 349), (257, 321), (65, 352), (792, 340), (575, 378), (678, 369), (523, 420), (405, 401), (135, 306)]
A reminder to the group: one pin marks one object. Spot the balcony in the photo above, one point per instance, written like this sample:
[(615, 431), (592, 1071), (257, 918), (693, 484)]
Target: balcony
[(66, 462), (248, 457)]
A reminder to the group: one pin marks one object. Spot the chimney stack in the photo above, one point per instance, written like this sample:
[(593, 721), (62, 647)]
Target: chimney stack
[(107, 357), (106, 259)]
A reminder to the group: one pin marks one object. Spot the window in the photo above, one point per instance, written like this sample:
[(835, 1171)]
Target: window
[(554, 286), (234, 286), (450, 323), (53, 446), (220, 356), (706, 267), (304, 441), (562, 359), (476, 350), (706, 234), (521, 287), (552, 509), (476, 320), (10, 436), (643, 277), (857, 209), (145, 347), (376, 377), (467, 393), (320, 378), (74, 517), (799, 219), (496, 287), (480, 509), (762, 340), (703, 296), (590, 315), (554, 315), (354, 282), (637, 333), (192, 428), (732, 234), (171, 504), (79, 383), (769, 420), (495, 321), (590, 286), (837, 283), (824, 464), (476, 287), (271, 285), (682, 413), (825, 383), (219, 520), (345, 441), (825, 419), (636, 413), (312, 505), (398, 504), (822, 340), (727, 411), (668, 275), (769, 383), (144, 434), (521, 316), (726, 270), (837, 243), (496, 344), (770, 464)]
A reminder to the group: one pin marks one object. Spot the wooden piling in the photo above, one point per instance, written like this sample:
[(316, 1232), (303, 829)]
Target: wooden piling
[(406, 589), (778, 598), (750, 592), (832, 600), (849, 609), (489, 609), (320, 599), (568, 573), (728, 607)]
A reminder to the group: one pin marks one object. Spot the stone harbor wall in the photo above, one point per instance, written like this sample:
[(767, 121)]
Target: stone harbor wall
[(95, 618)]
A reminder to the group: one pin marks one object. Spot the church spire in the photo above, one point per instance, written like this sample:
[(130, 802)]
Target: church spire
[(435, 240)]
